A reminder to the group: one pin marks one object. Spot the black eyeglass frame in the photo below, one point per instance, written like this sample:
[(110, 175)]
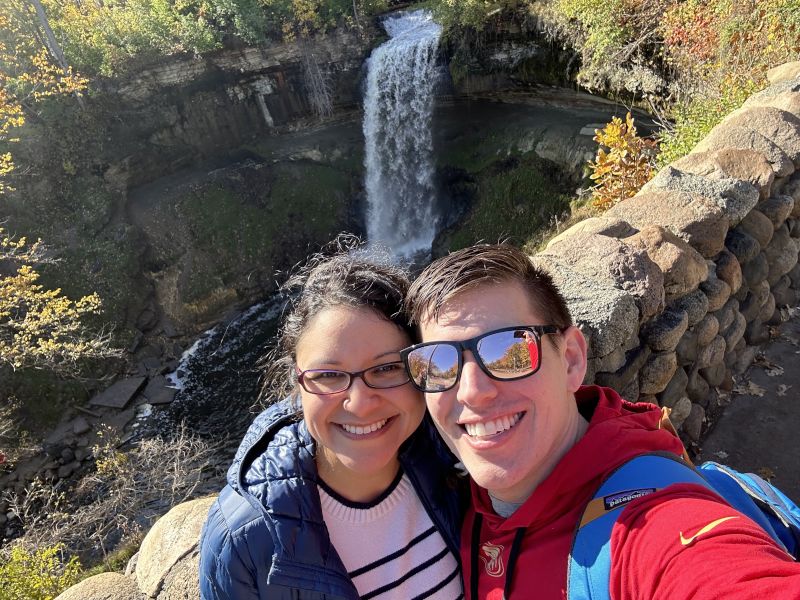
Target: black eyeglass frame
[(472, 345), (350, 377)]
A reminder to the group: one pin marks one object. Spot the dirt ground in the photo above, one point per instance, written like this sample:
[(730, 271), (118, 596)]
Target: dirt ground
[(759, 431)]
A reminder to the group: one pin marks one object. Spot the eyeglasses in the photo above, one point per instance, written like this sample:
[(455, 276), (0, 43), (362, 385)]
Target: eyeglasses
[(331, 381), (504, 354)]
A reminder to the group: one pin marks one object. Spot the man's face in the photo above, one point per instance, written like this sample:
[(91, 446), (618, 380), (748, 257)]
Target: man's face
[(536, 418)]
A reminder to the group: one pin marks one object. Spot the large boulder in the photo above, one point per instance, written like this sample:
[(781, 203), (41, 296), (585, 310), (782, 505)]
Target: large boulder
[(788, 101), (169, 543), (777, 92), (608, 226), (781, 255), (623, 266), (735, 197), (731, 163), (779, 126), (181, 583), (726, 135), (729, 270), (784, 72), (777, 209), (607, 315), (657, 372), (105, 586), (683, 266), (697, 220), (706, 330), (717, 292), (758, 226), (119, 393), (742, 245), (664, 332), (695, 304), (791, 188)]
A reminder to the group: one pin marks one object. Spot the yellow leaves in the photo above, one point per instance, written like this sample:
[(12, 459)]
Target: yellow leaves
[(27, 73), (41, 328), (6, 166), (625, 167), (47, 79), (40, 574)]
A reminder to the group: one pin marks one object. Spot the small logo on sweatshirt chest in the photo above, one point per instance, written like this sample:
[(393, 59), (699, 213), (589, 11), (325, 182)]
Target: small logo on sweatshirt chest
[(492, 557)]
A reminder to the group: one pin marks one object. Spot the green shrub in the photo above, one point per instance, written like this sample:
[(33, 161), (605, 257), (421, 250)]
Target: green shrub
[(475, 14), (103, 37), (695, 118), (37, 574), (514, 199)]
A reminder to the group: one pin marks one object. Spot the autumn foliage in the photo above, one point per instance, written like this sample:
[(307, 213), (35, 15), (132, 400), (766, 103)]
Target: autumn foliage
[(624, 162), (40, 327), (37, 574)]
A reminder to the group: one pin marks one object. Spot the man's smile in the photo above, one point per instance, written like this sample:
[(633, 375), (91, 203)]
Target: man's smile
[(493, 426)]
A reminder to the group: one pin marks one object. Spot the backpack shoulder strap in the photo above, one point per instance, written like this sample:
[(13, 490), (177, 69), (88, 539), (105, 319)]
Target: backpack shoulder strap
[(590, 558), (760, 500)]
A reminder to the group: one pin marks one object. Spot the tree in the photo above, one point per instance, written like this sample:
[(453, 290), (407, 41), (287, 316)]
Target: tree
[(32, 64), (53, 46), (28, 74), (41, 328)]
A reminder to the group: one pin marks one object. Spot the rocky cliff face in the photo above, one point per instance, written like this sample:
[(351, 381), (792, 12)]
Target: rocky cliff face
[(182, 188), (191, 108), (186, 185)]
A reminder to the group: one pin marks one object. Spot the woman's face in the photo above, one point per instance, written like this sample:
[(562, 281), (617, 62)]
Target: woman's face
[(360, 429)]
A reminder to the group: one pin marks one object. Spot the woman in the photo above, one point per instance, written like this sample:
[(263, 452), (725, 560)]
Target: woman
[(348, 498)]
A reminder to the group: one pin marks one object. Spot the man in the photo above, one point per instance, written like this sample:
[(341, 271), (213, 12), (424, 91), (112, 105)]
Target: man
[(538, 444)]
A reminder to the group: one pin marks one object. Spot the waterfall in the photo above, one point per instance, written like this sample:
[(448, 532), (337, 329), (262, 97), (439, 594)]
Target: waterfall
[(397, 127)]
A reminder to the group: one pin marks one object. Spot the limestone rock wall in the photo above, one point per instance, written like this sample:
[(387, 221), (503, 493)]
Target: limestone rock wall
[(188, 108), (677, 287)]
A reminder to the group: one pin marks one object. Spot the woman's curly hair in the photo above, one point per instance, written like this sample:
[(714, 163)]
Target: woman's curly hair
[(344, 273)]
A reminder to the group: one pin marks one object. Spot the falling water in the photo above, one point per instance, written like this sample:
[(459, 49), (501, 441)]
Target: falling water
[(397, 128)]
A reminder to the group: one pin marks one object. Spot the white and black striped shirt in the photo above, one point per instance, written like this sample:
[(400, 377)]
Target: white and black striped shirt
[(390, 547)]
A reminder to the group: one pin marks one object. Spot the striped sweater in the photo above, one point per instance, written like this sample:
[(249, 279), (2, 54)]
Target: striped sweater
[(390, 547)]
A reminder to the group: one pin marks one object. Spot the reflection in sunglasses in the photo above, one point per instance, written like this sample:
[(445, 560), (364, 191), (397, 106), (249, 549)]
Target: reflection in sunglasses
[(504, 354)]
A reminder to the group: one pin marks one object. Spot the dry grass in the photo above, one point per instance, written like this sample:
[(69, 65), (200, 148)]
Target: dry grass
[(580, 209), (117, 503)]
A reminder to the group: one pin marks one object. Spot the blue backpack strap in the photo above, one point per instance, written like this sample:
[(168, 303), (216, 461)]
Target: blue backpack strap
[(590, 558), (760, 500)]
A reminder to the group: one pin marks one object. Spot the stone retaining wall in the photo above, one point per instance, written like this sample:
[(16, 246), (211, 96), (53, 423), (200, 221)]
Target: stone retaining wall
[(674, 288)]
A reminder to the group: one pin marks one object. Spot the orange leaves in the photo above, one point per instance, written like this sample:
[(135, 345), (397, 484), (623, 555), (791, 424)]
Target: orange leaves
[(624, 162), (741, 40)]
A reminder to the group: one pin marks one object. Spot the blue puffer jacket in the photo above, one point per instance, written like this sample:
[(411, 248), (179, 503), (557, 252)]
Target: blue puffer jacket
[(265, 536)]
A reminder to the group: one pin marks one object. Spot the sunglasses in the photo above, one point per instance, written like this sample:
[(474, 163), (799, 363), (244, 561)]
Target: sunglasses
[(504, 354), (331, 381)]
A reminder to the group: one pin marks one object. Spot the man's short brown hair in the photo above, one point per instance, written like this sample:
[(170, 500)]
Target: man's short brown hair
[(479, 265)]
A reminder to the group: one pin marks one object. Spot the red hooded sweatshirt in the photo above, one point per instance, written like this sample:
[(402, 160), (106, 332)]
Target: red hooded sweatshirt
[(681, 542)]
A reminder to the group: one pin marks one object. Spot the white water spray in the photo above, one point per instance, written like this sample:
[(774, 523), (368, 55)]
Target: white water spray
[(397, 127)]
